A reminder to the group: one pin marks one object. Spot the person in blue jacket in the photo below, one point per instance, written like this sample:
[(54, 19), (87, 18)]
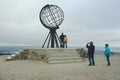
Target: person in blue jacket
[(107, 53)]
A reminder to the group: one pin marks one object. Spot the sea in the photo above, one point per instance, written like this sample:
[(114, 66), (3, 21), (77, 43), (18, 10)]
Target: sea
[(4, 50)]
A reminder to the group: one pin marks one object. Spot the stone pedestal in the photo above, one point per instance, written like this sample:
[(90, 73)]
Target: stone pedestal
[(53, 55)]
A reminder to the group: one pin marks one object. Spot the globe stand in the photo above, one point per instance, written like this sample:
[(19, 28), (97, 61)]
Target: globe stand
[(53, 38), (51, 16)]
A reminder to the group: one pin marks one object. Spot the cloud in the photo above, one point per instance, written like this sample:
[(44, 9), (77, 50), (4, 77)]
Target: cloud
[(84, 20)]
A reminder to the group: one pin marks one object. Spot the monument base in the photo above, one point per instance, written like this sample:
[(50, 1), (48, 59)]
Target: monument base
[(52, 55)]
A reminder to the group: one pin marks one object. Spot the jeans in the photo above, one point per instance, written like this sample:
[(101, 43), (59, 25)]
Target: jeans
[(62, 44), (91, 59), (108, 59), (65, 45)]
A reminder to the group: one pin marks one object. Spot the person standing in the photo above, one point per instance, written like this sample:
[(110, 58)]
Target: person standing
[(65, 41), (62, 40), (107, 54), (91, 50)]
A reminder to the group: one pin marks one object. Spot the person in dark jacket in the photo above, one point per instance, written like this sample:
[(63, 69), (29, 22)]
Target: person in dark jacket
[(62, 40), (91, 50)]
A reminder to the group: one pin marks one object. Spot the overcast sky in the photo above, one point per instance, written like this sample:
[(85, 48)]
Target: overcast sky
[(84, 21)]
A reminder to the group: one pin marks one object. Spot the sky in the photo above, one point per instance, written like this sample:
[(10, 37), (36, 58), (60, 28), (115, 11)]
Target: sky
[(84, 21)]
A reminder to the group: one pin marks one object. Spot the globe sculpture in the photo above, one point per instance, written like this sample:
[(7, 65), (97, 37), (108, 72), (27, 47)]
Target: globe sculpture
[(51, 17)]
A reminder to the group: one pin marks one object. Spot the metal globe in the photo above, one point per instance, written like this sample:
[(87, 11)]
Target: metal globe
[(51, 16)]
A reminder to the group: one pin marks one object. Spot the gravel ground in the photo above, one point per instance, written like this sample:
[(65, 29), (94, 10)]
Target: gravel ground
[(38, 70)]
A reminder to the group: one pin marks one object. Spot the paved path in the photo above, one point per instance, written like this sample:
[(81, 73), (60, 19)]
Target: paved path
[(37, 70)]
